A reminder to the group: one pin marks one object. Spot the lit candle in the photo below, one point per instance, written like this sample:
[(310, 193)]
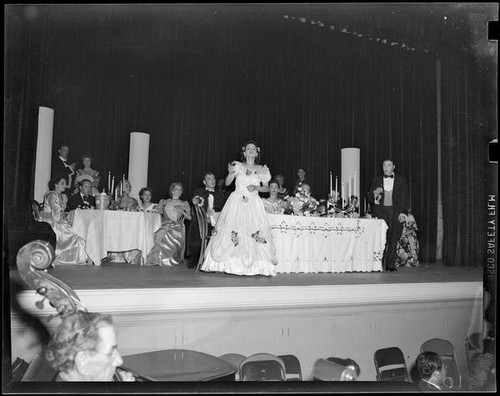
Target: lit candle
[(349, 189), (109, 181), (336, 182), (343, 194), (116, 194), (331, 186), (112, 186)]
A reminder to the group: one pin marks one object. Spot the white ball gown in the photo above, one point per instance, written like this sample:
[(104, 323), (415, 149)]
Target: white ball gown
[(241, 242)]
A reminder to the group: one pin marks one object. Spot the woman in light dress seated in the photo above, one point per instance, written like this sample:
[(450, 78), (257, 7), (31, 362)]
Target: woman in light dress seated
[(70, 248), (145, 195), (274, 204), (241, 242), (170, 239), (87, 173)]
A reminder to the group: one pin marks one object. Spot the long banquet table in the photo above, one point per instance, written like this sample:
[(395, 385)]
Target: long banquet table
[(115, 231), (327, 244)]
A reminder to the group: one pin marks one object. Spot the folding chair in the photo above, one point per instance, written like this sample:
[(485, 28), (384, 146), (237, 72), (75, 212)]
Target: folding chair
[(292, 367), (326, 370), (201, 217), (235, 359), (445, 350), (262, 367), (390, 365)]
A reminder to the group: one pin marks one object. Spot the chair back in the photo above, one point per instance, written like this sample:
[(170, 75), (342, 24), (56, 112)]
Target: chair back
[(390, 365), (39, 370), (235, 359), (326, 370), (293, 370), (473, 345), (445, 350), (201, 217), (262, 367)]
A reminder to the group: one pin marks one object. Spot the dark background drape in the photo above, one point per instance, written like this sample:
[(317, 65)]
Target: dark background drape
[(203, 79)]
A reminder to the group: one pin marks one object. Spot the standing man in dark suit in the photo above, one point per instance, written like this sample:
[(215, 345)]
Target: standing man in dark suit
[(61, 167), (390, 198), (82, 199), (212, 200)]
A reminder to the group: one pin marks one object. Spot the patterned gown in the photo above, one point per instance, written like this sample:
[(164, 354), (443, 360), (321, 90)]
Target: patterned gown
[(241, 242), (70, 248), (408, 246)]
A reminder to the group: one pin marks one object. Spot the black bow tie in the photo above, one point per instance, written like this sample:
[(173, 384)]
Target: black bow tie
[(391, 176)]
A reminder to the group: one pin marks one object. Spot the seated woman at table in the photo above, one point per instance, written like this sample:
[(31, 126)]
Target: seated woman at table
[(87, 173), (70, 248), (145, 195), (125, 201), (274, 204), (170, 239)]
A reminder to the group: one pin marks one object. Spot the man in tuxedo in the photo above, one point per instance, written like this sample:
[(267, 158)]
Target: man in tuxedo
[(82, 199), (212, 200), (62, 168), (390, 198)]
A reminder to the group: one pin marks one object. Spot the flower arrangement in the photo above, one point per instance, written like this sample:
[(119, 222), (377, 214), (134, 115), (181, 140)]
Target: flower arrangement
[(302, 204)]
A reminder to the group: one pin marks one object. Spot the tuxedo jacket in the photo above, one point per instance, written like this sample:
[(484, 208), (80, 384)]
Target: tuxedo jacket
[(219, 198), (59, 170), (400, 195), (76, 201)]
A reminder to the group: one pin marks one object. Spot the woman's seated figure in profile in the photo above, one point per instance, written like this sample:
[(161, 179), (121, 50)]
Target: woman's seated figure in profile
[(145, 195), (87, 173), (274, 204), (70, 248), (282, 190), (170, 239)]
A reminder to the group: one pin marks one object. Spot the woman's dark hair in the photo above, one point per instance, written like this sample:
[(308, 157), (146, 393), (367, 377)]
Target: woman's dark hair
[(273, 181), (54, 181), (257, 158), (142, 191)]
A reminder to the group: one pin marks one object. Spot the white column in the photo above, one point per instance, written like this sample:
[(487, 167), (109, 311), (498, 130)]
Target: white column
[(43, 160), (138, 162), (350, 167)]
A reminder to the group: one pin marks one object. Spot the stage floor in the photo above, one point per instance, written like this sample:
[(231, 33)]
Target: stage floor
[(124, 276)]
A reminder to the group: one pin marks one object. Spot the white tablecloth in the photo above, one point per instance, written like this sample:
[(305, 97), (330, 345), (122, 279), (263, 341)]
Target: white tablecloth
[(115, 231), (323, 244)]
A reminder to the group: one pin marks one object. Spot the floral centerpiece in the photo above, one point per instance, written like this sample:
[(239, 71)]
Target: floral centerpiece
[(302, 204)]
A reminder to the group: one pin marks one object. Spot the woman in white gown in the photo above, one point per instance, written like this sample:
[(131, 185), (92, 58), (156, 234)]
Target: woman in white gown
[(241, 241)]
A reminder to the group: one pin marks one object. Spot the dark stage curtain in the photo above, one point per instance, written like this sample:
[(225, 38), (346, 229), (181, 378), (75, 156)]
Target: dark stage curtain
[(203, 80)]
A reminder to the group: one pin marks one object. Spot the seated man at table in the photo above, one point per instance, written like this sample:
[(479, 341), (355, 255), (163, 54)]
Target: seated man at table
[(82, 199), (212, 200), (83, 348)]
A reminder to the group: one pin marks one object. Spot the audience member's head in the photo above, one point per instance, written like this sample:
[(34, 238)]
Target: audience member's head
[(430, 368), (84, 348), (85, 187), (175, 190), (63, 150), (301, 173), (58, 184), (209, 180), (145, 194), (280, 179)]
